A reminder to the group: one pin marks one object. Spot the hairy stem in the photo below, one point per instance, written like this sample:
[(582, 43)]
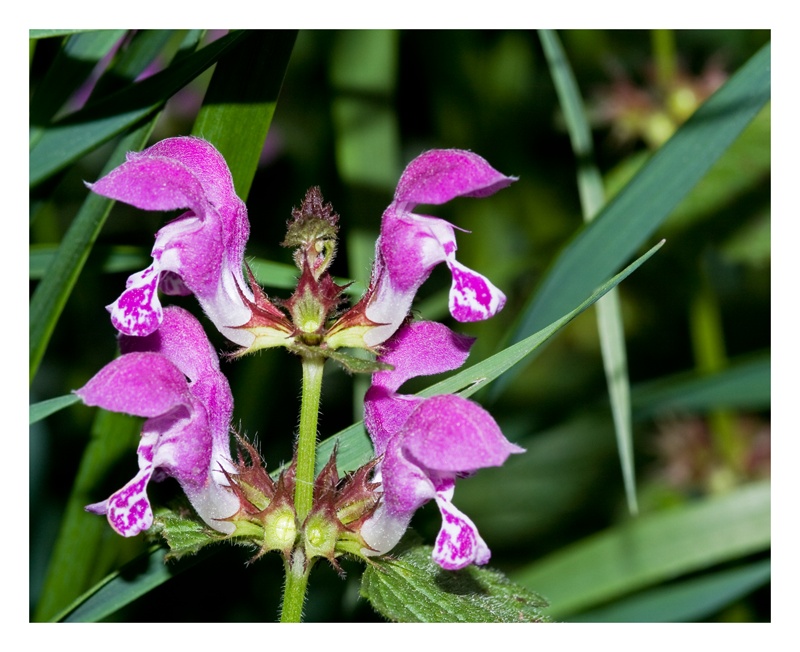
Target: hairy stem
[(307, 435)]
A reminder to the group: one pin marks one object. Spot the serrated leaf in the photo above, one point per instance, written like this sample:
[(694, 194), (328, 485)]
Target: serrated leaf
[(185, 536), (410, 587)]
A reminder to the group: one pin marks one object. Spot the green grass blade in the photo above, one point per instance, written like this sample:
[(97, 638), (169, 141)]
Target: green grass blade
[(652, 548), (122, 587), (69, 139), (743, 385), (687, 601), (73, 65), (43, 409), (355, 447), (647, 200), (608, 310), (238, 109), (114, 259)]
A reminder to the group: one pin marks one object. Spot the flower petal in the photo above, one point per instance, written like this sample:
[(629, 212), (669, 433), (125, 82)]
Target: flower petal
[(128, 510), (137, 311), (458, 543), (144, 384), (439, 175), (422, 348), (472, 296), (448, 433)]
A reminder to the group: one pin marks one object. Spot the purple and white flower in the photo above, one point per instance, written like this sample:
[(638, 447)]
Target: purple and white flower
[(201, 252), (411, 245), (427, 443), (186, 434)]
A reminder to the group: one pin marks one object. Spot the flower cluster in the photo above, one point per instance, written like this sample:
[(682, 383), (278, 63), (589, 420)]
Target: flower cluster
[(169, 373)]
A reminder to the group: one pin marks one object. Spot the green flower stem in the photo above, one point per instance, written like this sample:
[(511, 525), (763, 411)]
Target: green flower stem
[(297, 569), (294, 591), (307, 435)]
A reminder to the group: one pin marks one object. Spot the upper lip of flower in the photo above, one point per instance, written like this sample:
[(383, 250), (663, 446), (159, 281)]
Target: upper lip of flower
[(204, 247), (185, 435)]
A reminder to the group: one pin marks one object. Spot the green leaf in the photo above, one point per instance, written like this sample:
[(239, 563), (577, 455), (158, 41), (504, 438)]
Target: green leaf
[(609, 312), (410, 587), (635, 212), (39, 411), (652, 548), (355, 446), (687, 601), (185, 536), (69, 139)]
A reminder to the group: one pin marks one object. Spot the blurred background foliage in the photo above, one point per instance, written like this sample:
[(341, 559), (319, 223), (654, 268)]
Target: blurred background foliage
[(354, 108)]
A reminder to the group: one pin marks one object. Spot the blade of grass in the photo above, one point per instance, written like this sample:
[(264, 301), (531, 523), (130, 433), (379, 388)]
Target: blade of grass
[(67, 140), (687, 601), (652, 548), (648, 199), (743, 385), (609, 315), (238, 109), (43, 409)]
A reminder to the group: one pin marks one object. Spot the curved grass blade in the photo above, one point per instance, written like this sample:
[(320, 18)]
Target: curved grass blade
[(743, 385), (687, 601), (238, 109), (69, 139), (609, 313), (355, 447), (70, 69), (652, 548), (43, 409), (125, 585), (648, 199)]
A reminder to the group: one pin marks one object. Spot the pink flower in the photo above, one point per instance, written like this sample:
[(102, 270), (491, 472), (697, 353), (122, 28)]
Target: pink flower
[(411, 245), (186, 434), (201, 252), (427, 443)]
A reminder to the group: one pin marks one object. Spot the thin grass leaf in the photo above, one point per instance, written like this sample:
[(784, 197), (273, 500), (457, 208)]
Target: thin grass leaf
[(114, 259), (687, 601), (66, 141), (743, 385), (71, 68), (238, 109), (648, 199), (355, 447), (43, 409), (608, 310), (652, 548), (129, 583)]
